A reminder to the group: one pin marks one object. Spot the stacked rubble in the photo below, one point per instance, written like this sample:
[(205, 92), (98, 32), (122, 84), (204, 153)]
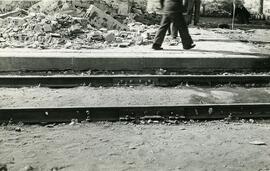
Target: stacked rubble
[(11, 5), (78, 24), (42, 31)]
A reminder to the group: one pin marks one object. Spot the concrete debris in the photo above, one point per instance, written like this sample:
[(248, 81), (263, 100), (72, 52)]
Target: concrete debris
[(100, 19), (160, 71), (251, 121), (18, 129), (41, 31), (75, 25), (16, 12), (124, 44), (257, 143), (110, 37), (74, 122), (27, 168)]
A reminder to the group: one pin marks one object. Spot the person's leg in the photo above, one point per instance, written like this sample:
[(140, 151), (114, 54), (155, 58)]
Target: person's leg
[(174, 35), (181, 25), (242, 19), (174, 31), (169, 32), (189, 13), (160, 35), (197, 11)]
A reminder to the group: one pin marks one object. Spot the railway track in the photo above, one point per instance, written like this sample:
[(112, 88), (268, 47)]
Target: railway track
[(134, 113), (116, 80)]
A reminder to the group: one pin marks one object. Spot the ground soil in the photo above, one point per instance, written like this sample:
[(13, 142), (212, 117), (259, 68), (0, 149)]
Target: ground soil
[(141, 95), (118, 146), (206, 146)]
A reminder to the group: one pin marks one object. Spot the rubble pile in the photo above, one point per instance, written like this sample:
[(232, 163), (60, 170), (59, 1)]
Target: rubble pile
[(11, 5), (148, 18), (74, 8), (79, 24), (143, 13), (42, 31)]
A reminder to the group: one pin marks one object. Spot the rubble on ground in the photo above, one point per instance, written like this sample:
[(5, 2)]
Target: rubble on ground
[(76, 25), (100, 19), (38, 30)]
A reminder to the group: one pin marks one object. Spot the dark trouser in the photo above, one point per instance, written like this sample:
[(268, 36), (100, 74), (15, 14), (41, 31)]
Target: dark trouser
[(180, 24), (173, 31), (193, 9), (197, 7)]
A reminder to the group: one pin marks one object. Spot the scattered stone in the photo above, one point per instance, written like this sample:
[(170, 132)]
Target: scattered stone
[(173, 42), (76, 28), (27, 168), (68, 45), (18, 129), (50, 125), (156, 122), (74, 122), (118, 40), (257, 143), (96, 35), (142, 122), (55, 35), (13, 13), (139, 40), (251, 120), (124, 45), (104, 30), (109, 37), (132, 147), (149, 121), (99, 19), (160, 71), (2, 39), (38, 29), (173, 122), (47, 28), (130, 162)]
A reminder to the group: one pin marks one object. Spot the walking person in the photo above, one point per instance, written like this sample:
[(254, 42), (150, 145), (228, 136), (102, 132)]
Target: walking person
[(172, 13), (242, 14), (192, 11)]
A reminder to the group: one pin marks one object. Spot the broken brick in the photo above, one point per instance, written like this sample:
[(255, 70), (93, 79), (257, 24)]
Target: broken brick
[(47, 28), (100, 19), (109, 37)]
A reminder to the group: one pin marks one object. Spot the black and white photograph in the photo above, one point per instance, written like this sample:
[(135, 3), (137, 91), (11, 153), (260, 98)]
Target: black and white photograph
[(134, 85)]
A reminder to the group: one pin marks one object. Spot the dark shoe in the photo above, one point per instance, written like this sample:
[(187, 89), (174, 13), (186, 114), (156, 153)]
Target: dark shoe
[(157, 47), (189, 47)]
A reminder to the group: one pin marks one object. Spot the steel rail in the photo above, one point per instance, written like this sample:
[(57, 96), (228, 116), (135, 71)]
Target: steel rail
[(114, 80), (116, 113)]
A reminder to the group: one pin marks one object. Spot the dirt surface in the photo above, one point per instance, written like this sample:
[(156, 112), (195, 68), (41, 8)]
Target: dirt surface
[(119, 146), (259, 38), (141, 95), (202, 146)]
